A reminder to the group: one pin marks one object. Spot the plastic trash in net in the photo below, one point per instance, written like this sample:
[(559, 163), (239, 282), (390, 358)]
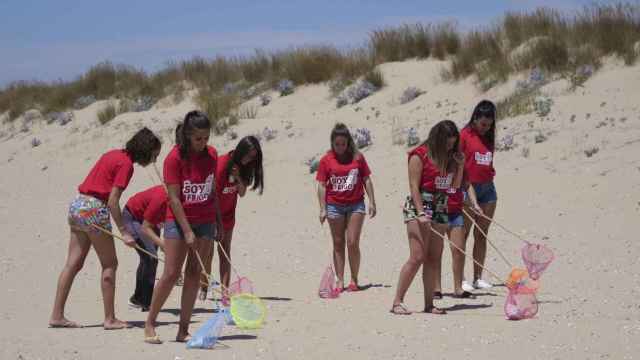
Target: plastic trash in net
[(208, 334)]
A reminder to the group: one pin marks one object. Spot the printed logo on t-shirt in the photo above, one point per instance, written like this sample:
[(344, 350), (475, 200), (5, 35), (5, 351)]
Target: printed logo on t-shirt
[(344, 183), (444, 182), (452, 190), (484, 159), (197, 193)]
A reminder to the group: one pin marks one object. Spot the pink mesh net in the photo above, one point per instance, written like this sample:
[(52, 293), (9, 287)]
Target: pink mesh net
[(241, 286), (536, 258)]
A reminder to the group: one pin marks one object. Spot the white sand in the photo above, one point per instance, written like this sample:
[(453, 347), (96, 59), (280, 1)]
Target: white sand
[(588, 207)]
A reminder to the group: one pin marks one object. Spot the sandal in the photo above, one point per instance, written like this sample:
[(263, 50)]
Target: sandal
[(154, 340), (434, 310), (184, 339), (68, 324), (464, 295), (353, 287), (400, 309)]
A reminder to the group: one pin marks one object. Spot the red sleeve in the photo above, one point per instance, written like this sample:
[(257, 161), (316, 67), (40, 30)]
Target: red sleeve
[(463, 141), (220, 176), (364, 167), (156, 210), (171, 169), (123, 176), (321, 176)]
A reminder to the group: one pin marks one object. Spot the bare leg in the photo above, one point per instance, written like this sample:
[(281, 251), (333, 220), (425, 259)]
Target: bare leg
[(106, 251), (479, 241), (338, 227), (456, 235), (79, 245), (433, 256), (416, 259), (190, 287), (354, 229), (207, 258), (175, 252), (225, 266)]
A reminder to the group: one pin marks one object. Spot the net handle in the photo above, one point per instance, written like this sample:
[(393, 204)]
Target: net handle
[(136, 245), (475, 224), (500, 225), (465, 253)]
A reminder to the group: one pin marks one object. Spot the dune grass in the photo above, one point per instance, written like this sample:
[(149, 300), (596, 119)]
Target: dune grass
[(544, 38)]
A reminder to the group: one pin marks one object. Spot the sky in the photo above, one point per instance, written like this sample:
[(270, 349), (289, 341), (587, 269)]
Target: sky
[(51, 40)]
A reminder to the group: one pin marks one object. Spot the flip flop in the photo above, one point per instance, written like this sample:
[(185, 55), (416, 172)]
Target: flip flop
[(184, 340), (66, 325), (402, 307), (154, 340), (353, 287), (464, 295), (434, 310)]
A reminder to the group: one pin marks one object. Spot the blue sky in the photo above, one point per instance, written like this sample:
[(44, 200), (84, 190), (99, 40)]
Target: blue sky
[(49, 40)]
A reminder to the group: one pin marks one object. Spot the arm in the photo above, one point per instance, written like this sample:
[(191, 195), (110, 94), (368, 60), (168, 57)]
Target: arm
[(149, 230), (473, 198), (241, 187), (322, 201), (459, 158), (114, 208), (368, 187), (220, 229), (173, 191)]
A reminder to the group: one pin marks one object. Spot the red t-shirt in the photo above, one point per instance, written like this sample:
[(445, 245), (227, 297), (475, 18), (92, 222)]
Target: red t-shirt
[(114, 168), (479, 157), (227, 193), (455, 200), (196, 177), (150, 205), (432, 179), (344, 182)]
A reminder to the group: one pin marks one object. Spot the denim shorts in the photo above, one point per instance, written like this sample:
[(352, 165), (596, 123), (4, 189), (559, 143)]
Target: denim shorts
[(486, 192), (335, 211), (456, 220), (134, 227), (172, 230)]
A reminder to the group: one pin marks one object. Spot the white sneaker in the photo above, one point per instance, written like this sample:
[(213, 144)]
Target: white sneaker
[(481, 284), (466, 286)]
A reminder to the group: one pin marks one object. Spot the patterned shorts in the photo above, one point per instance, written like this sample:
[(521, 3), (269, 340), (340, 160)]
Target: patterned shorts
[(86, 210), (434, 206)]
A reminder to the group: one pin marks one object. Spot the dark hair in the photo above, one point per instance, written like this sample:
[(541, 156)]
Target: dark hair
[(252, 172), (341, 129), (485, 108), (142, 145), (193, 120), (437, 143)]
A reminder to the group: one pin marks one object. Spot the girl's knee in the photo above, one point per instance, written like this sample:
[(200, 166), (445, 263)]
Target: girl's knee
[(416, 260), (172, 275)]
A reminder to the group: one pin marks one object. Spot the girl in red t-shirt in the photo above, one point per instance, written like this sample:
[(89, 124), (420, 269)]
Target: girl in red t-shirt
[(192, 219), (343, 177), (97, 202), (236, 171), (477, 142), (144, 215), (434, 167)]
